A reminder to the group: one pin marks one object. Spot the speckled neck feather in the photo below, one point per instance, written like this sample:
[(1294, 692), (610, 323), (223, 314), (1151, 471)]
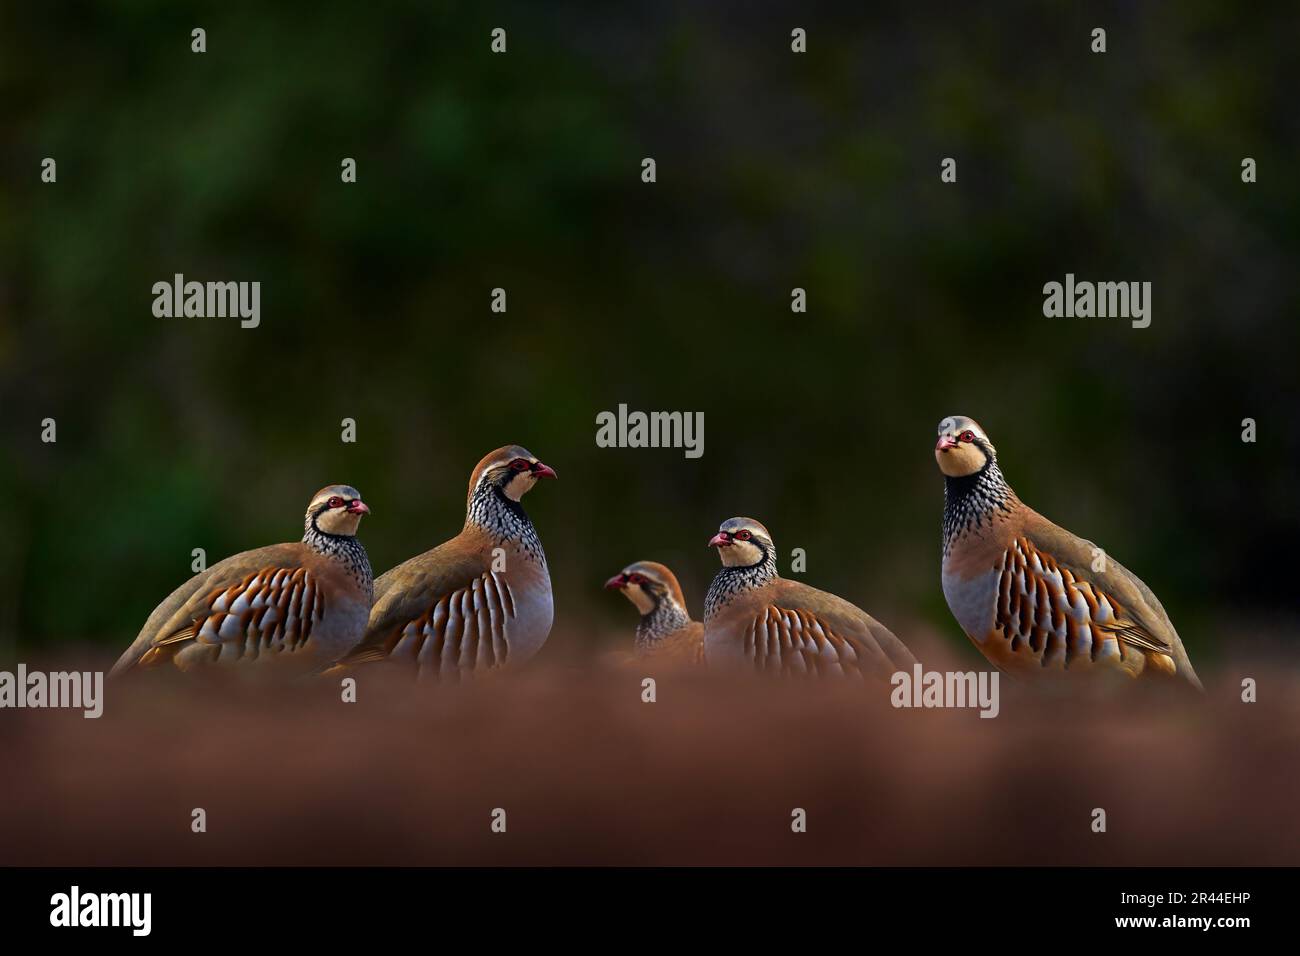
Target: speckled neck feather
[(343, 548), (730, 582), (666, 617), (504, 520), (972, 500)]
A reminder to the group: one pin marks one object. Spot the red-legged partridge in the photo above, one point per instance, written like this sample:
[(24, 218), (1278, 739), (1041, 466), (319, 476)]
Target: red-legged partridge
[(1034, 598), (754, 617), (477, 602), (299, 605), (666, 631)]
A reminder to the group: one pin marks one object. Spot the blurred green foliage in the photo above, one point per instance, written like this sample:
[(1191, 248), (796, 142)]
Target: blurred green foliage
[(522, 171)]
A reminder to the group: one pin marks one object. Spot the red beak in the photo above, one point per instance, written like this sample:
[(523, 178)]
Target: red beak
[(720, 540), (944, 443), (616, 582), (543, 471), (358, 507)]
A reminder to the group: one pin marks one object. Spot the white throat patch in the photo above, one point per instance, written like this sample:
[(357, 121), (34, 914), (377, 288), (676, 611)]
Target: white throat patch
[(636, 594), (740, 554)]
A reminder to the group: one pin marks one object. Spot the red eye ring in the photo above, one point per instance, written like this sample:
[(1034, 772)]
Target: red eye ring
[(520, 464), (966, 436), (635, 579), (742, 535), (335, 502)]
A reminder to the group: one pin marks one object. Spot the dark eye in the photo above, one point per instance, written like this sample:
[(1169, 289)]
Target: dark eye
[(967, 436), (635, 579), (519, 464), (335, 502), (742, 535)]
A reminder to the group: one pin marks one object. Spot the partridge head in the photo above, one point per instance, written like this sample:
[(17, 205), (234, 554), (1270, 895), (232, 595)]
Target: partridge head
[(335, 510), (963, 449), (512, 470), (743, 543)]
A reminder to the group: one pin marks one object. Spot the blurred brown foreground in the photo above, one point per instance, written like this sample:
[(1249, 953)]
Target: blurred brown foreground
[(708, 774)]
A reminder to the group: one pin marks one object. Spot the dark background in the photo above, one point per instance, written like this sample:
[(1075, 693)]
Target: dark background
[(775, 170)]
